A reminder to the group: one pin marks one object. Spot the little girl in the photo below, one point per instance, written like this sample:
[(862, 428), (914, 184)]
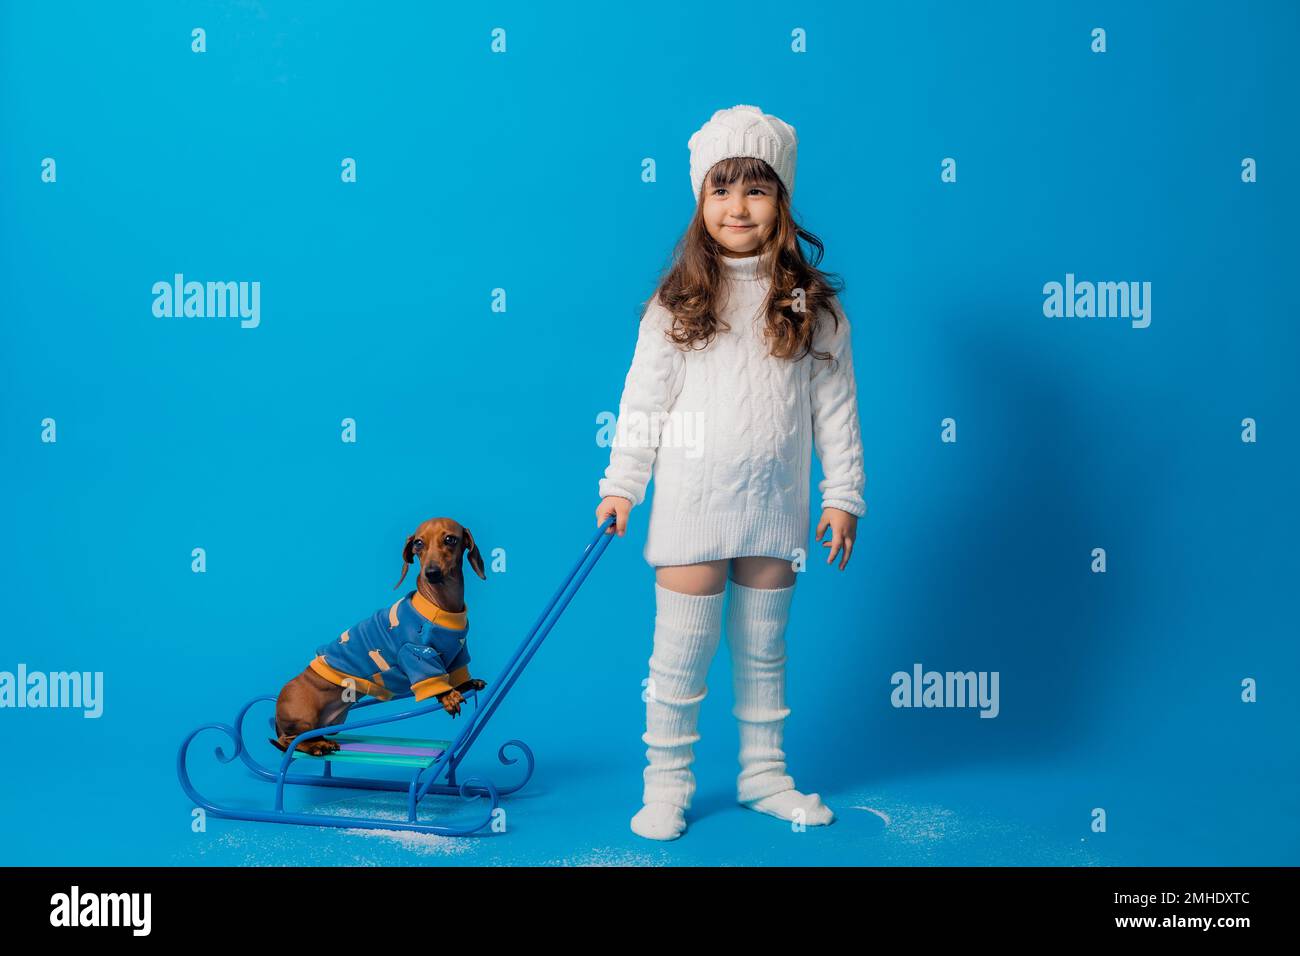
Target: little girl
[(742, 362)]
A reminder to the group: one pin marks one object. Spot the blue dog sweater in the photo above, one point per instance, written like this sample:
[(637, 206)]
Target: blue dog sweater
[(412, 647)]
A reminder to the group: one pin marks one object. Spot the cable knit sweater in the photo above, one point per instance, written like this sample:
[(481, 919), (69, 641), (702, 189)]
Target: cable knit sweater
[(727, 433)]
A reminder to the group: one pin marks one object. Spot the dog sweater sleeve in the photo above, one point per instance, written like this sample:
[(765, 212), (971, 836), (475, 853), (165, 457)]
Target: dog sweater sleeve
[(836, 431), (425, 669), (648, 394)]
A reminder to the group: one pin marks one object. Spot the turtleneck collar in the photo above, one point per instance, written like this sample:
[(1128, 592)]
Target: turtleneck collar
[(747, 269)]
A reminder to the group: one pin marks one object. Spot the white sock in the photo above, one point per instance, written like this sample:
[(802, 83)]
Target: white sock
[(687, 630), (784, 806), (756, 623), (659, 821)]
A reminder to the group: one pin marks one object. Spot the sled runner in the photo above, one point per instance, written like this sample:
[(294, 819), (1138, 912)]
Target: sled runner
[(432, 763)]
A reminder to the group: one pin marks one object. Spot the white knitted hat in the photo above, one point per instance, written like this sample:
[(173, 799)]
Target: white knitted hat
[(743, 131)]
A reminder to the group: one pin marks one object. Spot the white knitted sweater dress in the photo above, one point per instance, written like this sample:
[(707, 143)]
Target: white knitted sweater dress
[(727, 433)]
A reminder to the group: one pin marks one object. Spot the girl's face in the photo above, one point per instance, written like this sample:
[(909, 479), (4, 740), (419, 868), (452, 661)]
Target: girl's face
[(741, 216)]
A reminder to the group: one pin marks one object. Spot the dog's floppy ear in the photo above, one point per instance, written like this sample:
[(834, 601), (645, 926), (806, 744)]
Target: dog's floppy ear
[(471, 551), (408, 556)]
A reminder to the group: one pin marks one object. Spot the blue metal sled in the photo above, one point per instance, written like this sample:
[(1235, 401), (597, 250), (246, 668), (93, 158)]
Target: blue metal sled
[(433, 762)]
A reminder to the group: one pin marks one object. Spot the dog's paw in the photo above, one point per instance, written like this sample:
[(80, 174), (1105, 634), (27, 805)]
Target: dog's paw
[(319, 747), (451, 702), (477, 684)]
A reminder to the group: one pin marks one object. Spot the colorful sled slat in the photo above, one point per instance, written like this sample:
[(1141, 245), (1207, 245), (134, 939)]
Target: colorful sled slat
[(382, 751), (433, 764)]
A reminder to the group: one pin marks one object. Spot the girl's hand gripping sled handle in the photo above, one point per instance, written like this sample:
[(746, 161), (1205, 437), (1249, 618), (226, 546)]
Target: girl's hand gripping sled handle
[(616, 506)]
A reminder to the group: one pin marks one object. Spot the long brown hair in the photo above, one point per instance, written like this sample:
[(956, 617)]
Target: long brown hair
[(693, 288)]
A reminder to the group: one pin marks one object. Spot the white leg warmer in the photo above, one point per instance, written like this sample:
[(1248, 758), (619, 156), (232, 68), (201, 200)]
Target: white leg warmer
[(756, 624), (687, 630)]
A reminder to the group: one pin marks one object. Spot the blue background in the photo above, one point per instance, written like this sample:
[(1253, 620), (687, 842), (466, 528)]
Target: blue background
[(522, 171)]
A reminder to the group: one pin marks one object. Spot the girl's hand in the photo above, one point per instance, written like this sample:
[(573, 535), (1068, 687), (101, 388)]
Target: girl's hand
[(617, 506), (844, 529)]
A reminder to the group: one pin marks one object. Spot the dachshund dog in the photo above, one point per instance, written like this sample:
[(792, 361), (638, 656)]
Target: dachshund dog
[(416, 646)]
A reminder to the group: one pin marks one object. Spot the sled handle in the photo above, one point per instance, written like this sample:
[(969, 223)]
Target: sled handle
[(530, 644), (522, 655)]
